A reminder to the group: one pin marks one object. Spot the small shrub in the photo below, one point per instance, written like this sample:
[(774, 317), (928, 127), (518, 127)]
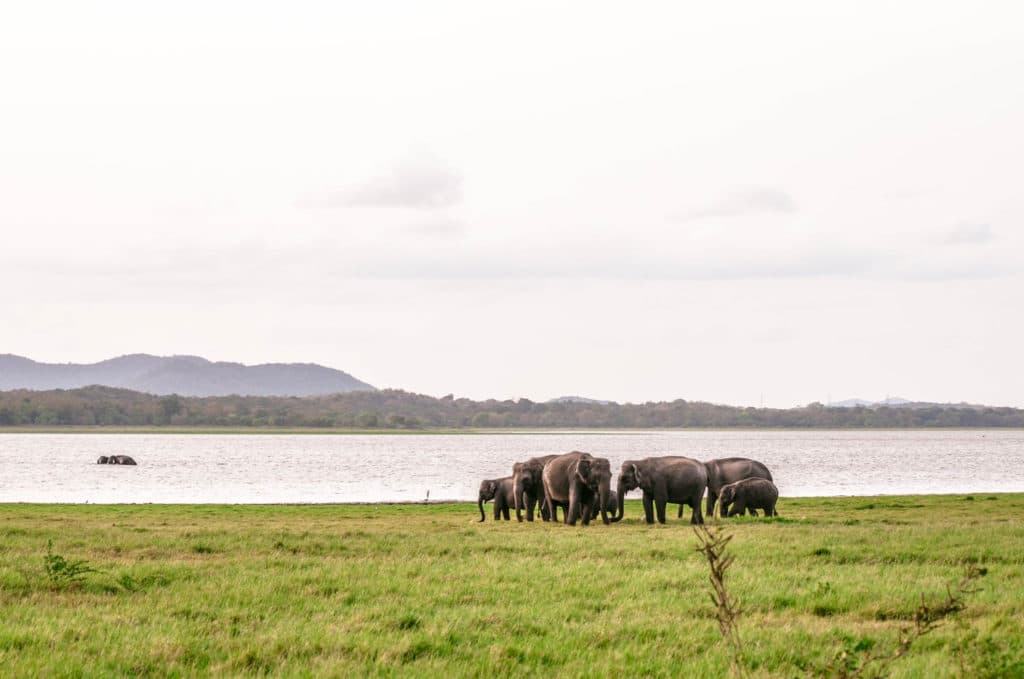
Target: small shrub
[(61, 572)]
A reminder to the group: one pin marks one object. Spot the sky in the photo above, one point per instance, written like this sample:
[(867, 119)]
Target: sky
[(746, 203)]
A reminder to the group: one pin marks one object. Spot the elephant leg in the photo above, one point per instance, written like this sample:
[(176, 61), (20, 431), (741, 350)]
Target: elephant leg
[(753, 512), (497, 509), (710, 508), (574, 505), (659, 504), (648, 507), (738, 509), (531, 502), (696, 517), (680, 511)]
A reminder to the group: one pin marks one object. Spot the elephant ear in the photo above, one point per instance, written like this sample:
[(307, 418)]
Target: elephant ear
[(583, 469), (493, 486), (636, 473)]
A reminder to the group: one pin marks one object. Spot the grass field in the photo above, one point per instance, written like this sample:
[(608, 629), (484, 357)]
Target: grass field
[(427, 591)]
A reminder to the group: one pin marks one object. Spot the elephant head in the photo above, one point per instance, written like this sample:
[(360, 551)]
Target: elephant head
[(103, 460), (726, 497), (488, 489), (629, 479)]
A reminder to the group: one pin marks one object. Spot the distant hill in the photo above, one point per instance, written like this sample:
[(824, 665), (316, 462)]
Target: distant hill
[(578, 399), (183, 375), (896, 402)]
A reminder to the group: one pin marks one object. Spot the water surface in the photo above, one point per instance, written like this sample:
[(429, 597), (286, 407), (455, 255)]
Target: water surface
[(265, 468)]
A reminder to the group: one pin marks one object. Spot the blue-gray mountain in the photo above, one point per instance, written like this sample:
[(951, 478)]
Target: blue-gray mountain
[(183, 375)]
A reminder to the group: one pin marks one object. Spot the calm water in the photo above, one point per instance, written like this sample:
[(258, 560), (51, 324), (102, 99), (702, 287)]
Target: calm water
[(318, 468)]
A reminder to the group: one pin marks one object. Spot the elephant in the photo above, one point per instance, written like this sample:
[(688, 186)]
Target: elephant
[(577, 481), (499, 490), (753, 494), (529, 486), (727, 470), (116, 459), (671, 478)]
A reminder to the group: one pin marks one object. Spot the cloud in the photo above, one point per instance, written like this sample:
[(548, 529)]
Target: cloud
[(419, 182), (969, 234), (750, 200)]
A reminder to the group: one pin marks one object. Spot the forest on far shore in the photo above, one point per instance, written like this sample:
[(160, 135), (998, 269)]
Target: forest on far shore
[(395, 409)]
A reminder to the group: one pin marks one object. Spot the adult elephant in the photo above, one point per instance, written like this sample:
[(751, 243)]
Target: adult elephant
[(729, 470), (499, 490), (749, 494), (576, 481), (669, 478), (529, 486)]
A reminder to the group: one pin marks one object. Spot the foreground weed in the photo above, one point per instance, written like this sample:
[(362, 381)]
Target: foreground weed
[(712, 544), (857, 659), (62, 572)]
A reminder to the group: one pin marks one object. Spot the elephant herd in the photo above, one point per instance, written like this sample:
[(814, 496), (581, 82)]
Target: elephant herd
[(115, 459), (580, 484)]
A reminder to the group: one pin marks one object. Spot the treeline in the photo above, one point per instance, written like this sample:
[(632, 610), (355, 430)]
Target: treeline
[(393, 409)]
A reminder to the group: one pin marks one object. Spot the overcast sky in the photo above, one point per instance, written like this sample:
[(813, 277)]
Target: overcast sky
[(739, 202)]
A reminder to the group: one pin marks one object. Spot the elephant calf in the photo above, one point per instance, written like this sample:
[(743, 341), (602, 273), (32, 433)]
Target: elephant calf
[(749, 494), (502, 492)]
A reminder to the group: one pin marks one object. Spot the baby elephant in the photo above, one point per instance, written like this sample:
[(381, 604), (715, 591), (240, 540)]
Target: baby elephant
[(499, 490), (749, 494)]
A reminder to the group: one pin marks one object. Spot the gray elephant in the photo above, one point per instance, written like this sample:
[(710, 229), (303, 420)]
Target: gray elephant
[(115, 459), (499, 490), (749, 494), (529, 486), (576, 482), (670, 478), (729, 470)]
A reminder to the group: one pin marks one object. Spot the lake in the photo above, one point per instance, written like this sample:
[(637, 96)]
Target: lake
[(270, 468)]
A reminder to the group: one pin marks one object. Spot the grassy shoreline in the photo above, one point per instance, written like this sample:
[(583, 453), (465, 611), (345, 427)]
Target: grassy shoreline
[(425, 590)]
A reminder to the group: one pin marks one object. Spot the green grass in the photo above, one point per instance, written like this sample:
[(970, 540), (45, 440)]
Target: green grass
[(382, 590)]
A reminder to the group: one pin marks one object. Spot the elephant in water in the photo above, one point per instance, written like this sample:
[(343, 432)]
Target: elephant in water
[(115, 459), (576, 482), (670, 478), (499, 490), (529, 486), (749, 494), (729, 470)]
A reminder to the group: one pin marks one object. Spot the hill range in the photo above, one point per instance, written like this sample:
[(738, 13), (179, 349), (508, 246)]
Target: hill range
[(182, 375)]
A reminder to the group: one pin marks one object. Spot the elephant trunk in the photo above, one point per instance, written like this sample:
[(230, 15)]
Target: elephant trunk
[(620, 497), (480, 504)]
